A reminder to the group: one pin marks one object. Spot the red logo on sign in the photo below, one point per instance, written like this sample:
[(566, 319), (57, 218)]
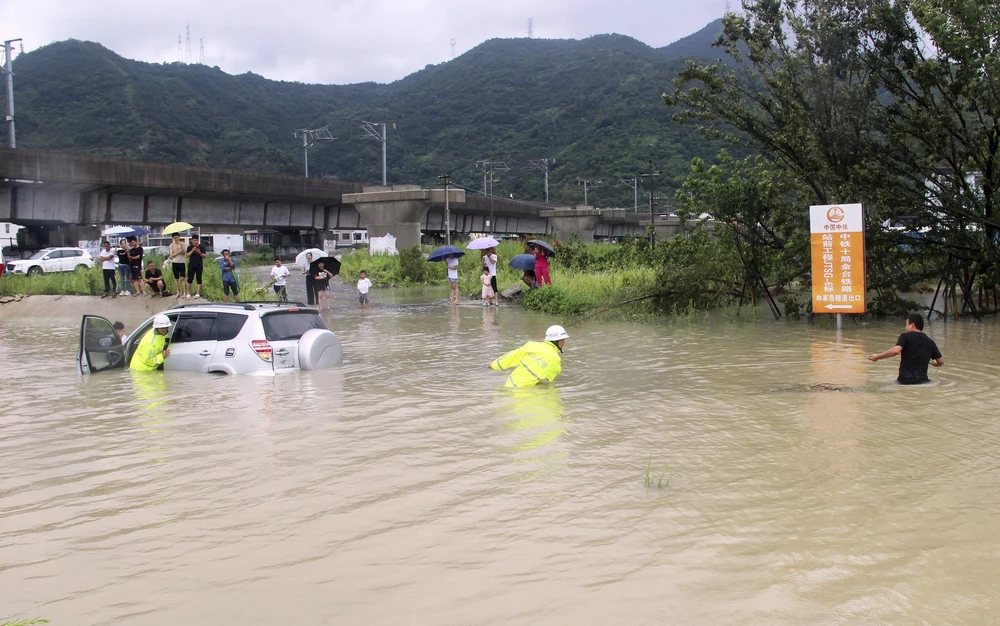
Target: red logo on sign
[(835, 214)]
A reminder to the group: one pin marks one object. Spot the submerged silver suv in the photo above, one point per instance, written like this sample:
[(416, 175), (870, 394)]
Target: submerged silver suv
[(224, 338)]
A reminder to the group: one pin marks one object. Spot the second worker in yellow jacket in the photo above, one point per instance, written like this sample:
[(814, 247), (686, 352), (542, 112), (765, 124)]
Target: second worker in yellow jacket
[(535, 362)]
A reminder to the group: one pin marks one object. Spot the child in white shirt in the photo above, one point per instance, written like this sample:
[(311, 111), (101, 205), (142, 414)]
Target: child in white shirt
[(363, 286)]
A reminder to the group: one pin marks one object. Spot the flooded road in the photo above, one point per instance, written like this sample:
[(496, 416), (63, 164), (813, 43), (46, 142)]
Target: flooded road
[(409, 487)]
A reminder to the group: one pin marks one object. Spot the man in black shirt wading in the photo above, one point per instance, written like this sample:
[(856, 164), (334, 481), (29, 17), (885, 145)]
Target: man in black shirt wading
[(916, 349)]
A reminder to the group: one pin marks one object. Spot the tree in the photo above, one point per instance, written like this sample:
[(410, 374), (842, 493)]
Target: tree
[(888, 103)]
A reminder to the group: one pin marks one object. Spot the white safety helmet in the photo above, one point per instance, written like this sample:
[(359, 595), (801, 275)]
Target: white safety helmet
[(555, 333), (161, 321)]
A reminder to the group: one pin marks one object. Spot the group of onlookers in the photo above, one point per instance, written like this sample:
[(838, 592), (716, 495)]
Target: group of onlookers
[(124, 274)]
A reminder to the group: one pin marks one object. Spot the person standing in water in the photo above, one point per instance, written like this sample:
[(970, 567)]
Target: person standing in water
[(452, 262), (916, 351), (536, 362), (310, 288), (490, 262)]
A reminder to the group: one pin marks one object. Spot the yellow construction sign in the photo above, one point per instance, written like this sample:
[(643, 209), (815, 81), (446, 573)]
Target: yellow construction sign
[(837, 234)]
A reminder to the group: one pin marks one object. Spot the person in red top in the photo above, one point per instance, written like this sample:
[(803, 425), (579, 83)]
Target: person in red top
[(541, 266)]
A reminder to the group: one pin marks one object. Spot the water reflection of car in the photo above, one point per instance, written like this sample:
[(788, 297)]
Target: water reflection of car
[(222, 338), (51, 260)]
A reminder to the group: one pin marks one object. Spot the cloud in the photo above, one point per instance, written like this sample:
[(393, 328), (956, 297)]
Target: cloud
[(341, 41)]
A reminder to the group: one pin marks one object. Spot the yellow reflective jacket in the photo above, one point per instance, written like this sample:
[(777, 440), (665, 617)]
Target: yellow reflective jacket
[(149, 353), (534, 362)]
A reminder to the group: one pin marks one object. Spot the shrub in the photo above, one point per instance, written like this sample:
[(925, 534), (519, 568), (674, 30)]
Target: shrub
[(412, 265)]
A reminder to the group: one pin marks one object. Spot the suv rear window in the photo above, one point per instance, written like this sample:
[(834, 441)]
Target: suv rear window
[(288, 325)]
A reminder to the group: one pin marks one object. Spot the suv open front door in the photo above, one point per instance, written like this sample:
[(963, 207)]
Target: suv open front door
[(100, 346)]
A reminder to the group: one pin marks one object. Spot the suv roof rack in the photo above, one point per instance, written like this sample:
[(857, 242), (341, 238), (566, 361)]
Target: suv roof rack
[(276, 303), (194, 305), (248, 305)]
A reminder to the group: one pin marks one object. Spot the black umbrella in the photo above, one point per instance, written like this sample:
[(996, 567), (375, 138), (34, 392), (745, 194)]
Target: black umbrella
[(329, 263), (549, 250)]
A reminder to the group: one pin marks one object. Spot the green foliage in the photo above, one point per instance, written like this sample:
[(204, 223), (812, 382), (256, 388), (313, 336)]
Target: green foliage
[(91, 283), (887, 103), (412, 265), (592, 105), (382, 269), (26, 622)]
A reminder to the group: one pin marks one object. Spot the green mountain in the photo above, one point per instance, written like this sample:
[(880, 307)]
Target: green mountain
[(591, 106)]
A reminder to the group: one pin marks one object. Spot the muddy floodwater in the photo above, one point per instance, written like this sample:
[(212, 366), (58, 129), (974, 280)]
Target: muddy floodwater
[(791, 482)]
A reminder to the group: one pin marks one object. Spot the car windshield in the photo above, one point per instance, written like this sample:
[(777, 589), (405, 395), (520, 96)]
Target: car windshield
[(288, 325), (39, 254)]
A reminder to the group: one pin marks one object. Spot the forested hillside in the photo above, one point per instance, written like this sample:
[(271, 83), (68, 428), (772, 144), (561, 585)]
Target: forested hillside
[(593, 106)]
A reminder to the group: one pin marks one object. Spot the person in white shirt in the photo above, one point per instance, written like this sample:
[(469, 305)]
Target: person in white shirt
[(107, 259), (279, 274), (490, 263), (363, 286), (452, 263)]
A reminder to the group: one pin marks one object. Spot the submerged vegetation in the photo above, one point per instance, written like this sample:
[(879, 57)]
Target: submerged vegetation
[(657, 479)]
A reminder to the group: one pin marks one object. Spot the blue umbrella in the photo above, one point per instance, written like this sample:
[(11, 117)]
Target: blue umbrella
[(442, 253), (523, 262)]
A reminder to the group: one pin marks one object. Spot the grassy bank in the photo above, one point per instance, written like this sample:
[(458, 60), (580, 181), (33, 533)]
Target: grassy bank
[(91, 283), (579, 287)]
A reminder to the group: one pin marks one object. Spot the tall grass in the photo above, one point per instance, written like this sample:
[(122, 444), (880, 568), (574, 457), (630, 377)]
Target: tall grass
[(91, 282), (26, 622)]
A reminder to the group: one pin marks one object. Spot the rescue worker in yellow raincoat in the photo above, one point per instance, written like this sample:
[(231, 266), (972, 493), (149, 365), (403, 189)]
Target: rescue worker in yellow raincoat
[(536, 361), (152, 348)]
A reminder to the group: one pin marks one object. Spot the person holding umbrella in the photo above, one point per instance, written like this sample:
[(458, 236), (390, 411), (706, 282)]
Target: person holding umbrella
[(321, 283), (536, 362), (450, 255), (490, 262), (310, 287), (176, 254), (541, 252), (452, 263)]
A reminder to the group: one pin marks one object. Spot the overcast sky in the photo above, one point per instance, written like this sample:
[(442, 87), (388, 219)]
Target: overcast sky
[(338, 41)]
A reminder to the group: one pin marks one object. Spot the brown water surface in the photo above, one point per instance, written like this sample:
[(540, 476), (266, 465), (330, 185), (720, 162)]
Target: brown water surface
[(410, 487)]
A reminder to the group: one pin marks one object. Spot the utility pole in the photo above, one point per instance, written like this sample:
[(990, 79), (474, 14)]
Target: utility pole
[(488, 168), (8, 51), (543, 164), (187, 44), (588, 183), (453, 47), (634, 184), (652, 218), (372, 128), (309, 137), (447, 211), (201, 51)]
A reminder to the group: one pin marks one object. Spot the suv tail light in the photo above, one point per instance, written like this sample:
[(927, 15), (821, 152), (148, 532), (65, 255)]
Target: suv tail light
[(262, 348)]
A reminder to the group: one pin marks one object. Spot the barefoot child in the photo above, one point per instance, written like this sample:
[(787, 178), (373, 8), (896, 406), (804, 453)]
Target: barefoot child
[(487, 286), (364, 284)]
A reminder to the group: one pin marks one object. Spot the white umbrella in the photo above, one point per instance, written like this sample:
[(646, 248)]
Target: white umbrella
[(117, 230), (300, 258), (482, 243)]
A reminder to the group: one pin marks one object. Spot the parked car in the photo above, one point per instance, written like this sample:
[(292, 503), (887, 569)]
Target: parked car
[(51, 260), (222, 338)]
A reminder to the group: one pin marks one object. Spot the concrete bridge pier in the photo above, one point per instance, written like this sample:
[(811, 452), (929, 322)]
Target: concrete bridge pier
[(398, 210), (577, 221)]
